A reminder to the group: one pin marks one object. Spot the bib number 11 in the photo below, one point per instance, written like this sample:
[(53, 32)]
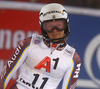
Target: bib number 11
[(45, 79)]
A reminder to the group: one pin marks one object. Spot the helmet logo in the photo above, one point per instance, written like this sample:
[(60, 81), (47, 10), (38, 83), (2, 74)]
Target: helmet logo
[(62, 12), (50, 12), (53, 16)]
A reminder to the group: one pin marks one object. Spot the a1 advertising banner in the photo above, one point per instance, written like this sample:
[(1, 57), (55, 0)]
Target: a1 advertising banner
[(15, 25)]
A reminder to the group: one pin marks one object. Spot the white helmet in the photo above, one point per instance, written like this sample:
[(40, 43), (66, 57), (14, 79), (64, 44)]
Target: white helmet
[(53, 11)]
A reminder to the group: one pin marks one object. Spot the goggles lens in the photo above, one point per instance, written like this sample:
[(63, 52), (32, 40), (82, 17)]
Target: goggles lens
[(49, 26)]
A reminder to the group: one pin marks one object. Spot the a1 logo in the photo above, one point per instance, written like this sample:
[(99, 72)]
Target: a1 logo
[(46, 63)]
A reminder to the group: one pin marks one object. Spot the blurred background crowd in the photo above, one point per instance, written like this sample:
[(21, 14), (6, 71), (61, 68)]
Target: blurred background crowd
[(79, 3)]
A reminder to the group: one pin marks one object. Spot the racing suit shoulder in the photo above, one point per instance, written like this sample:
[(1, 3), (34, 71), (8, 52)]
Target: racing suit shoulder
[(77, 57), (15, 61)]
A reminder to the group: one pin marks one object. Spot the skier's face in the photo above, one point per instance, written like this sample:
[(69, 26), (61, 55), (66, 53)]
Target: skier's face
[(54, 29), (55, 34)]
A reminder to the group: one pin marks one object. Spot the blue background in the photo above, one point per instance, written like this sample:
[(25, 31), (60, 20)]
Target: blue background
[(82, 30)]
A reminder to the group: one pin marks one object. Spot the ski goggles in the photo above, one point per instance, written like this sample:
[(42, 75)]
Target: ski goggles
[(49, 26)]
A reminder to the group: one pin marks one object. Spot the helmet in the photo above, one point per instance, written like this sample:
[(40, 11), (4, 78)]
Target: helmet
[(51, 12)]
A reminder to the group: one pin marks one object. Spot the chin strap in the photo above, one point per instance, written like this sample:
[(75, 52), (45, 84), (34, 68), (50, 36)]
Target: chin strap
[(55, 40), (58, 46)]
